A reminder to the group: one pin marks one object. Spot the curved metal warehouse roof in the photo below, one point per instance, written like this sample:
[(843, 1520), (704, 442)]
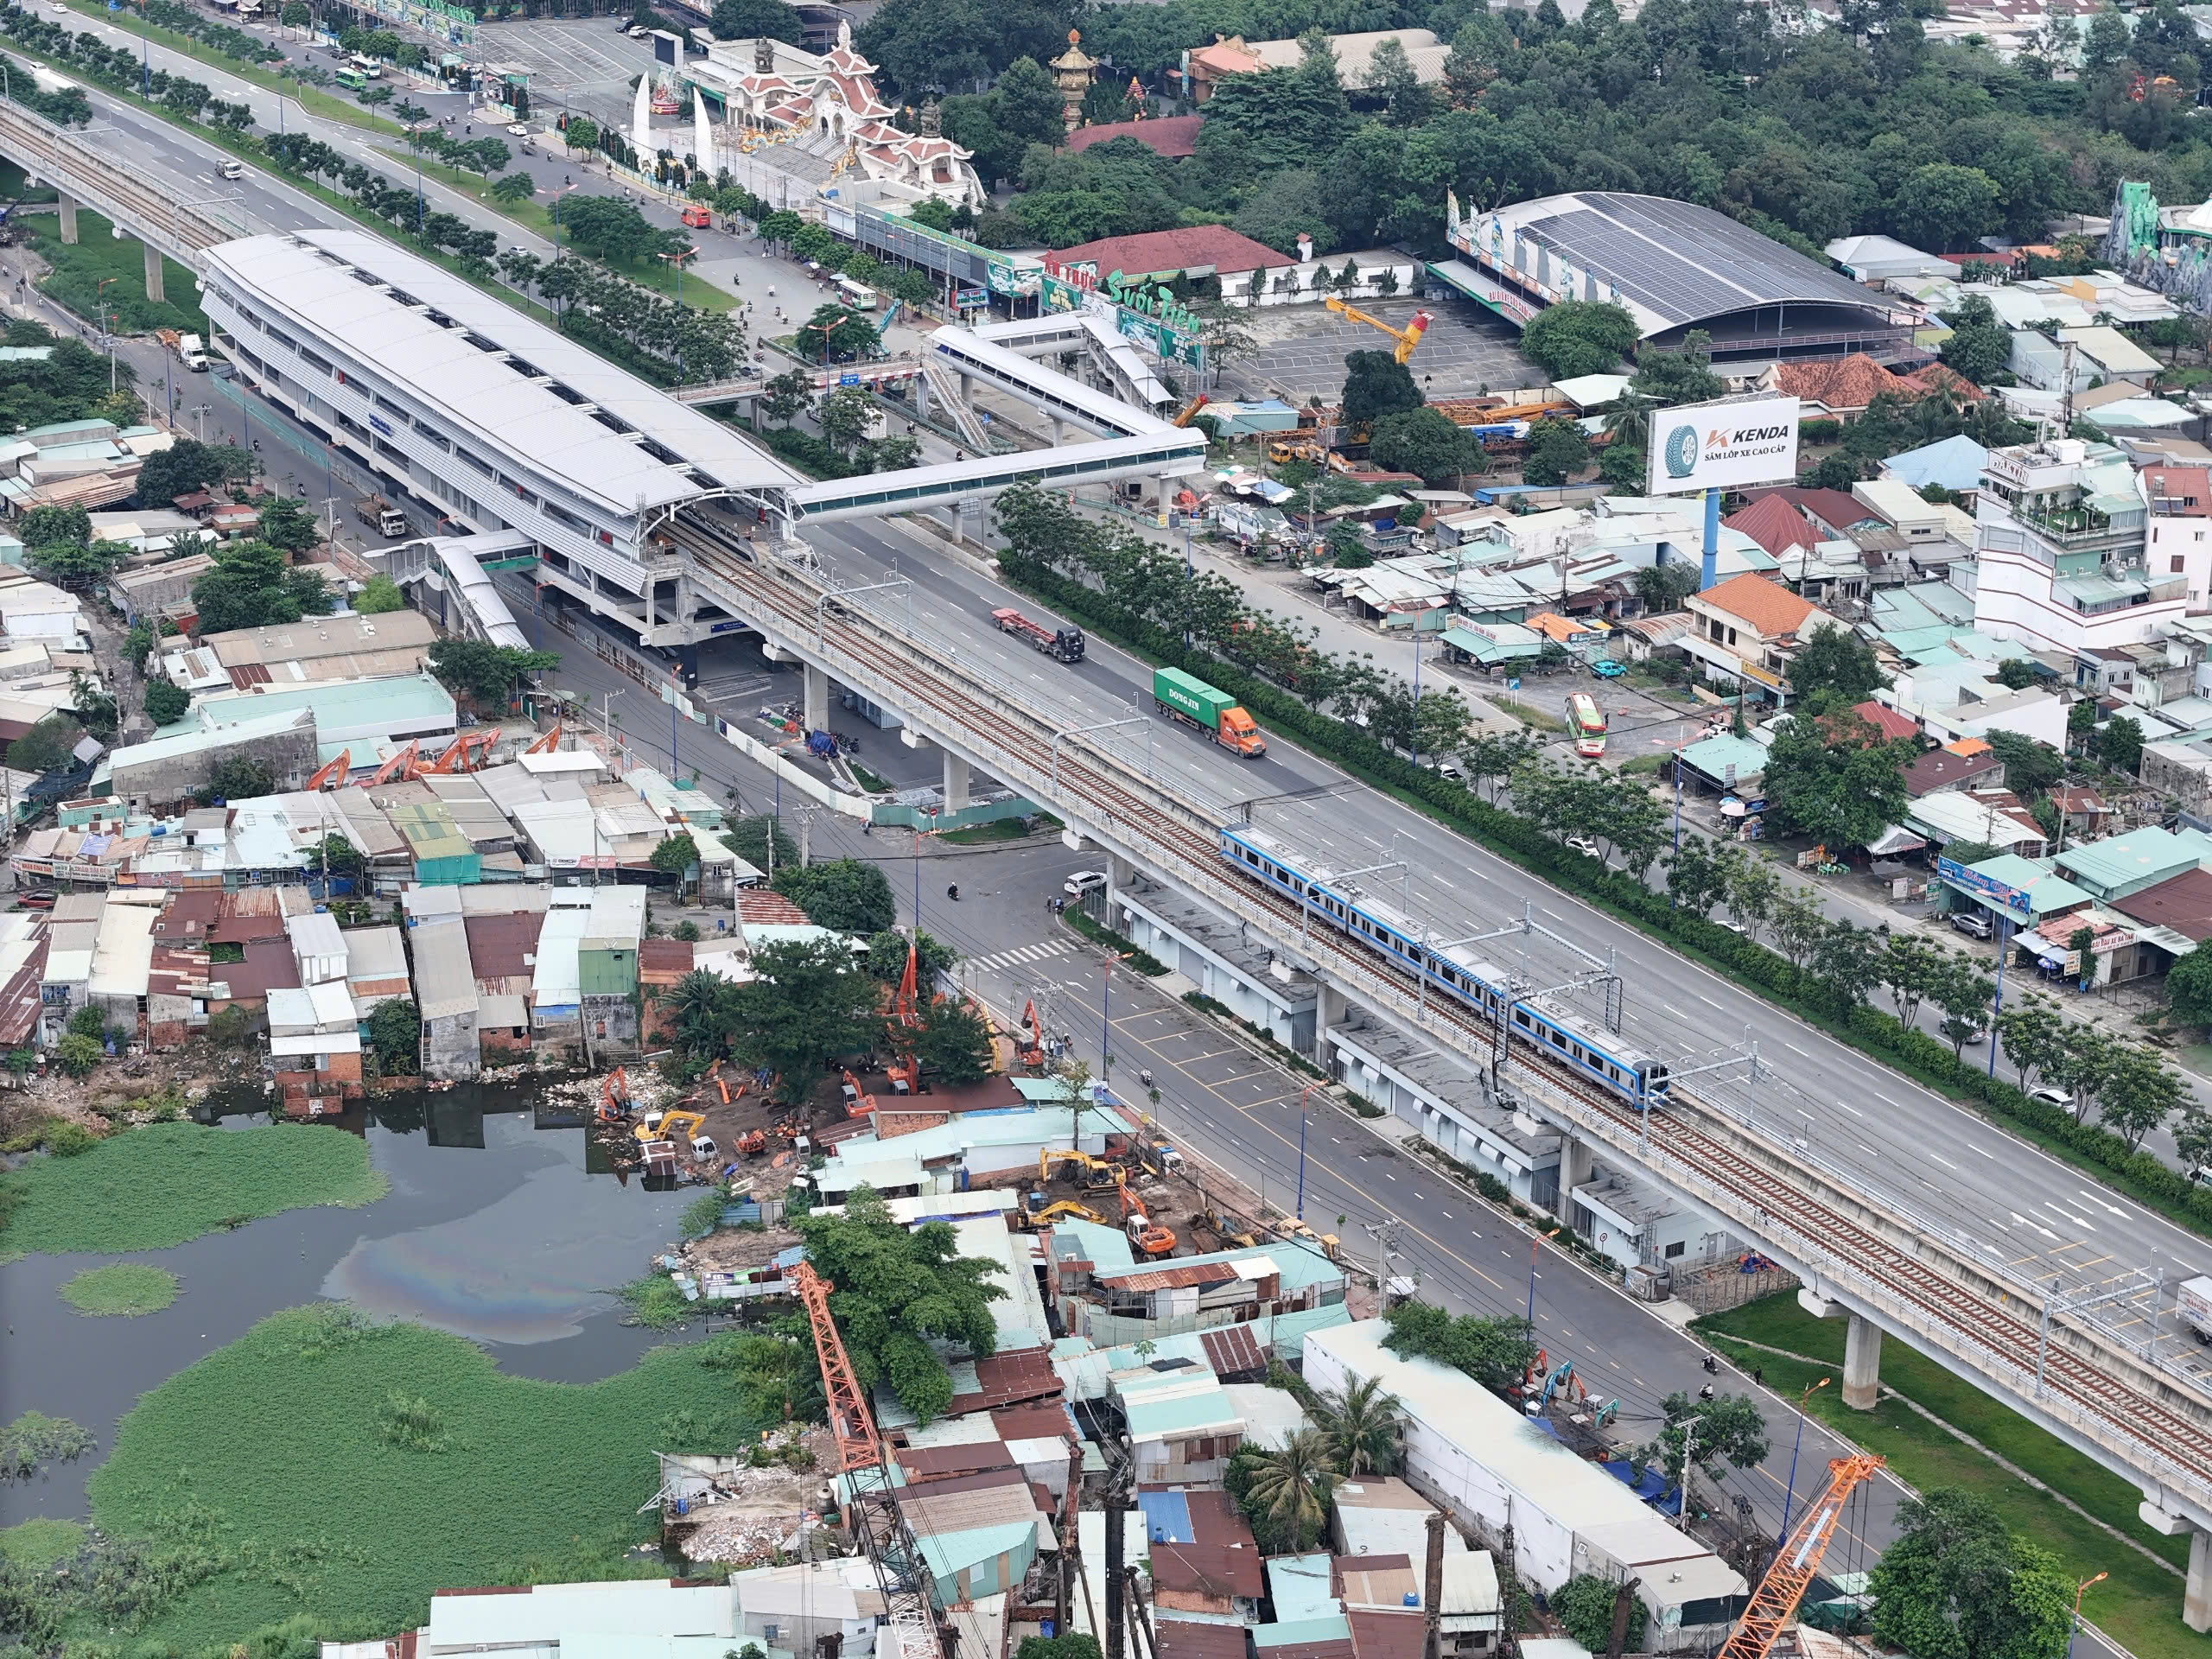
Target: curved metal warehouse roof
[(1673, 262)]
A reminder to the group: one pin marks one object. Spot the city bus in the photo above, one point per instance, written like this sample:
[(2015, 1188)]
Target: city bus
[(365, 67), (352, 80), (1586, 721)]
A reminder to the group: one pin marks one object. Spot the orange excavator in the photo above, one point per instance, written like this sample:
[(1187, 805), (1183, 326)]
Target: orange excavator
[(458, 758), (1145, 1237), (331, 776), (547, 744), (752, 1143), (905, 1071), (1030, 1050), (404, 764), (615, 1097), (858, 1101)]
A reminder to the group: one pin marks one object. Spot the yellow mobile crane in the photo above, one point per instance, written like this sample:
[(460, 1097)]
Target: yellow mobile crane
[(1408, 337)]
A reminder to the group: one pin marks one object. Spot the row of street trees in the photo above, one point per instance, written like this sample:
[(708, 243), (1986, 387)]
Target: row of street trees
[(682, 341), (1155, 590)]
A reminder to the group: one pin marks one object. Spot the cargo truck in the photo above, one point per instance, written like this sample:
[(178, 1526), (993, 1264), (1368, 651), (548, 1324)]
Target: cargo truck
[(192, 353), (380, 516), (1066, 644), (1191, 700), (2193, 1302)]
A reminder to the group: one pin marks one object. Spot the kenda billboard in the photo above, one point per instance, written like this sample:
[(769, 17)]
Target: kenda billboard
[(1720, 446)]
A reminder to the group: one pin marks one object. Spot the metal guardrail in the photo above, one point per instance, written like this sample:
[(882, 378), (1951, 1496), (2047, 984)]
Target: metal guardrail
[(1162, 807), (75, 165)]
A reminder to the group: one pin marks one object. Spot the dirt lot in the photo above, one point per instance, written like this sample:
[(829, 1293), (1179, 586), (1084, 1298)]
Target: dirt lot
[(174, 1076)]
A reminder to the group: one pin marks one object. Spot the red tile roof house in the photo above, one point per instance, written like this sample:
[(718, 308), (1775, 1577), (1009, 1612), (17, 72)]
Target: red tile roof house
[(1747, 627), (1171, 136), (1843, 386), (1194, 251), (1776, 525)]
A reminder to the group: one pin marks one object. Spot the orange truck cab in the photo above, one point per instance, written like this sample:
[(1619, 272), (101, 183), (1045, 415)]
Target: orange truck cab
[(1191, 700)]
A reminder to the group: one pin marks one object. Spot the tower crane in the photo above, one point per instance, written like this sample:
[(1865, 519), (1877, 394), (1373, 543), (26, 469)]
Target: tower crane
[(1408, 337), (923, 1631), (1775, 1602)]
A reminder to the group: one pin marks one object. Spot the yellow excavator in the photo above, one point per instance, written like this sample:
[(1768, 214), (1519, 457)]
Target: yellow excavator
[(1408, 337), (1065, 1207), (1098, 1174), (664, 1126)]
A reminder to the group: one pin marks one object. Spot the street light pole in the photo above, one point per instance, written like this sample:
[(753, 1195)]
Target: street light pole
[(2074, 1629), (1301, 1150), (1790, 1492)]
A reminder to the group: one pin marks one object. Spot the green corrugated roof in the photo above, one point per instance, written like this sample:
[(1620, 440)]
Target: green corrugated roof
[(1148, 1418)]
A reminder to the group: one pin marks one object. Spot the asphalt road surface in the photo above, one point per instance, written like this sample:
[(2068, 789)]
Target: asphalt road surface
[(1945, 1164)]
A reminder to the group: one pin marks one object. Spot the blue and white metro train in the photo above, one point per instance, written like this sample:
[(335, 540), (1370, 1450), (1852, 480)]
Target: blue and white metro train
[(1450, 971)]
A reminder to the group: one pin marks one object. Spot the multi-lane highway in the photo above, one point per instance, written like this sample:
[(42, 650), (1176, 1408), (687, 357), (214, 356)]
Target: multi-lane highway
[(1928, 1157), (1931, 1158)]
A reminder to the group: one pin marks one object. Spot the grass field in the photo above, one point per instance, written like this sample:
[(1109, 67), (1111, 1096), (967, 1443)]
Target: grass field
[(2139, 1605), (149, 1188), (127, 1289), (348, 1470), (97, 256), (41, 1542)]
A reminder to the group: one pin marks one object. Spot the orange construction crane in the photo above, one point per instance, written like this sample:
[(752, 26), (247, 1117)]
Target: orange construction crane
[(405, 763), (1774, 1604), (1189, 412), (335, 774), (873, 1505), (547, 744)]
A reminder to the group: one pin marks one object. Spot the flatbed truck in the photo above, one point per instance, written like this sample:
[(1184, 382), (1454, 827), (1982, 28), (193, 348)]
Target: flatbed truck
[(1064, 643)]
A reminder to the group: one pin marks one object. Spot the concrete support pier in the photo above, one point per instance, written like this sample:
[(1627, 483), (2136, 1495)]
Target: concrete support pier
[(68, 219), (153, 275), (1862, 1364), (818, 698), (956, 783), (2196, 1588)]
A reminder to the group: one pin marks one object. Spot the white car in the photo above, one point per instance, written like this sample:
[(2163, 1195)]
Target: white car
[(2051, 1097), (1083, 881), (516, 129), (1584, 845)]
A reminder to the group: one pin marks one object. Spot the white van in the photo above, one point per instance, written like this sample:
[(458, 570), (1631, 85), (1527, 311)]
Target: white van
[(234, 170)]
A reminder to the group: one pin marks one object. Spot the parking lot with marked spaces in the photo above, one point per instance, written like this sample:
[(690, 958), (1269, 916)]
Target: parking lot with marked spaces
[(586, 66), (1299, 350)]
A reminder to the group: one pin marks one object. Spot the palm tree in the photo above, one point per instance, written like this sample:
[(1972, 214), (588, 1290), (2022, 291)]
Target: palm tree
[(694, 1004), (1361, 1426), (1295, 1484)]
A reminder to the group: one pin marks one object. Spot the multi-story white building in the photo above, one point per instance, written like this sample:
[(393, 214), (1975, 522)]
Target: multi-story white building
[(474, 415), (2060, 536), (2179, 541)]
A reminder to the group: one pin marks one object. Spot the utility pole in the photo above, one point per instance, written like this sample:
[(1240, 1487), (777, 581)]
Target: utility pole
[(1689, 1443), (805, 834), (1622, 1595), (1431, 1591)]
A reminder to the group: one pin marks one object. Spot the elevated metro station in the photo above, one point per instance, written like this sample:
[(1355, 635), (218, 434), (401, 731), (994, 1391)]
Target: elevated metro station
[(484, 422)]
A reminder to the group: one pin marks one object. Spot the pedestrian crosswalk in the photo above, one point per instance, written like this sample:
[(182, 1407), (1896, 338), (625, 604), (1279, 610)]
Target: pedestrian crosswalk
[(1021, 955)]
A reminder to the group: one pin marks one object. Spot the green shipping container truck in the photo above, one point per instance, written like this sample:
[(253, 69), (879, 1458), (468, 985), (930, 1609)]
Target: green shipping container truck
[(1191, 700)]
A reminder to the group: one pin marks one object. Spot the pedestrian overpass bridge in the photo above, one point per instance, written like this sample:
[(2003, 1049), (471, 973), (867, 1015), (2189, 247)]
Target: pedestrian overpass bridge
[(1857, 1254)]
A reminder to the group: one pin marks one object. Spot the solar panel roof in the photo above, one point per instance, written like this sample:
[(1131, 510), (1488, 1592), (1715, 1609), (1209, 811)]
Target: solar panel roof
[(1673, 261)]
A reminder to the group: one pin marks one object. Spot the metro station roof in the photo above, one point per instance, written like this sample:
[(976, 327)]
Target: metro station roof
[(371, 301)]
